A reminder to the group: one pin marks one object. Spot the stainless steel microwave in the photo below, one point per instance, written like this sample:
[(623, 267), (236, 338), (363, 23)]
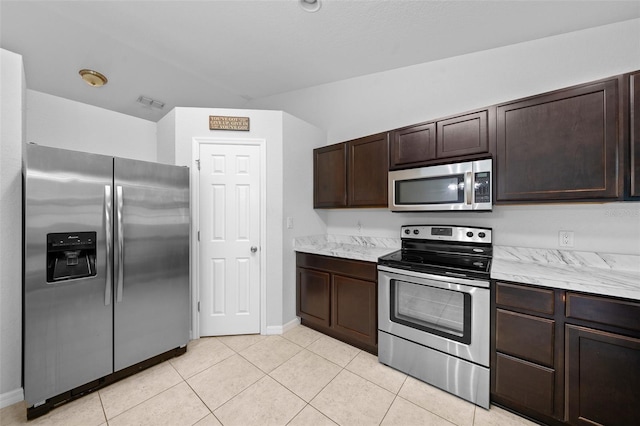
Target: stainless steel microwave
[(457, 186)]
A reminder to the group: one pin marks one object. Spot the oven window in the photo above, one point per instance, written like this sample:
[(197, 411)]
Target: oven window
[(437, 190), (445, 313)]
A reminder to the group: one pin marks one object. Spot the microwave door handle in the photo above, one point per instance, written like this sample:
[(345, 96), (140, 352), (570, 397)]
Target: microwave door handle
[(468, 188)]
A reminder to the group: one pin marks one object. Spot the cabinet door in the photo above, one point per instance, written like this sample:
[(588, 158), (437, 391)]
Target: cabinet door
[(313, 296), (368, 171), (603, 371), (559, 146), (330, 176), (354, 309), (462, 135), (635, 134), (412, 146)]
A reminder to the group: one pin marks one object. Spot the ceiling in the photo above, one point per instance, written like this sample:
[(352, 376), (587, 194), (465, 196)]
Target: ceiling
[(223, 54)]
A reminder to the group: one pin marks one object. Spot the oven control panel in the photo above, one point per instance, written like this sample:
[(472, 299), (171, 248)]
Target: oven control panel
[(446, 233)]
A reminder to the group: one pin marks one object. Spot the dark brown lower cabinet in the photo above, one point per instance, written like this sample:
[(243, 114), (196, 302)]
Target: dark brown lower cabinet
[(314, 296), (562, 357), (603, 386), (526, 362), (353, 308), (339, 297)]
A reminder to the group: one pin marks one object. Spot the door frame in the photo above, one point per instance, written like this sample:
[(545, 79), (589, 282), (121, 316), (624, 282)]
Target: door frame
[(195, 224)]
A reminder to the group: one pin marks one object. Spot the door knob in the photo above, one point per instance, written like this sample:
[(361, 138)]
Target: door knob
[(254, 249)]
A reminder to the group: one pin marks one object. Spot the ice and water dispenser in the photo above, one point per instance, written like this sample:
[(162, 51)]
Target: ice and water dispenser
[(70, 256)]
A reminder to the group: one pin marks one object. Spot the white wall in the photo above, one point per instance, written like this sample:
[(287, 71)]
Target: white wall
[(366, 105), (299, 139), (62, 123), (379, 102), (166, 137), (12, 131)]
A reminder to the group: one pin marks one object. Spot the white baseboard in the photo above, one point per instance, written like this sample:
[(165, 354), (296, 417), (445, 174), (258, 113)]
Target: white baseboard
[(291, 324), (11, 397), (281, 329)]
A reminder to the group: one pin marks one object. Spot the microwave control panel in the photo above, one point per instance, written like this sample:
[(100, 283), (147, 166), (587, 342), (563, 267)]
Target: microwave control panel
[(482, 189)]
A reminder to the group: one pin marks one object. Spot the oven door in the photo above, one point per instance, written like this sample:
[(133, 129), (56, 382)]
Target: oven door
[(448, 314)]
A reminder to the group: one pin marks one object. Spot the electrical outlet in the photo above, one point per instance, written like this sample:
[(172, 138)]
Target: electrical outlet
[(359, 225), (565, 238), (289, 222)]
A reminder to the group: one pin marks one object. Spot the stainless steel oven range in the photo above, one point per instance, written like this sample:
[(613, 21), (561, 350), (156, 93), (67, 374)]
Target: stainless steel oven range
[(433, 308)]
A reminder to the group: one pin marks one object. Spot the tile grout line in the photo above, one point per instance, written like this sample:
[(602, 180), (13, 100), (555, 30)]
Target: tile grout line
[(104, 412), (143, 401), (320, 391), (204, 403), (396, 394), (146, 400)]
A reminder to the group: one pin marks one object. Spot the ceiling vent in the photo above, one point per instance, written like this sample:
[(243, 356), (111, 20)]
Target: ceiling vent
[(150, 102)]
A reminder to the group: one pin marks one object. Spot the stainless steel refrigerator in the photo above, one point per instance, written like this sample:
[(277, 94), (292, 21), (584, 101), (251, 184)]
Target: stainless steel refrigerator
[(106, 267)]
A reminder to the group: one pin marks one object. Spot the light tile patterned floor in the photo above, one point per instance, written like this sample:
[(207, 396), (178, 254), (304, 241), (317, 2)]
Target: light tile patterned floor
[(302, 378)]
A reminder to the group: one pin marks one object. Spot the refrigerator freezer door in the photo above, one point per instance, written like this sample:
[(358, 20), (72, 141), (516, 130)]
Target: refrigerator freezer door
[(151, 260), (68, 323)]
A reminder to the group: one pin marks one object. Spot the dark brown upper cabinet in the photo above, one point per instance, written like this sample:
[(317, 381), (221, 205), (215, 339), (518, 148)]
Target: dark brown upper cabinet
[(412, 146), (560, 146), (330, 176), (429, 143), (463, 135), (368, 171), (634, 117), (352, 174)]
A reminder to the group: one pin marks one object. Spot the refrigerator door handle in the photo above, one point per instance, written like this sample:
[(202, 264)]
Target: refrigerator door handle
[(108, 227), (120, 278)]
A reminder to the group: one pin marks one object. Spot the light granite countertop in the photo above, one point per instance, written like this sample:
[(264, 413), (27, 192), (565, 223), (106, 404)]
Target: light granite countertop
[(605, 274), (589, 272), (349, 247)]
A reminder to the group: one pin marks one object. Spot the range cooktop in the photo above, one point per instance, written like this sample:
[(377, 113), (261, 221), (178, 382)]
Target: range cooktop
[(443, 250)]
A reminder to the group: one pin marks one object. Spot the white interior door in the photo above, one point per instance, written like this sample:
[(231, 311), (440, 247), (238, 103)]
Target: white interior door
[(229, 215)]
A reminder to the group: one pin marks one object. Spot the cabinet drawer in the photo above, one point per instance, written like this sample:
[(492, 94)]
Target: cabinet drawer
[(618, 313), (525, 383), (525, 336), (352, 268), (523, 297)]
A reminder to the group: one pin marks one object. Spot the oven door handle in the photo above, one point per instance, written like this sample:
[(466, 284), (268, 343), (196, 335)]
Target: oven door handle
[(438, 278)]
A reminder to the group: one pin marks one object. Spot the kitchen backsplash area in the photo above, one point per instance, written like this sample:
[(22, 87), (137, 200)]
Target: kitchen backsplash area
[(606, 228)]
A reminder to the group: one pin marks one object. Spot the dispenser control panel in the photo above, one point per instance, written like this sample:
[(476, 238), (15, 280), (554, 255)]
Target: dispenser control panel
[(70, 255)]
